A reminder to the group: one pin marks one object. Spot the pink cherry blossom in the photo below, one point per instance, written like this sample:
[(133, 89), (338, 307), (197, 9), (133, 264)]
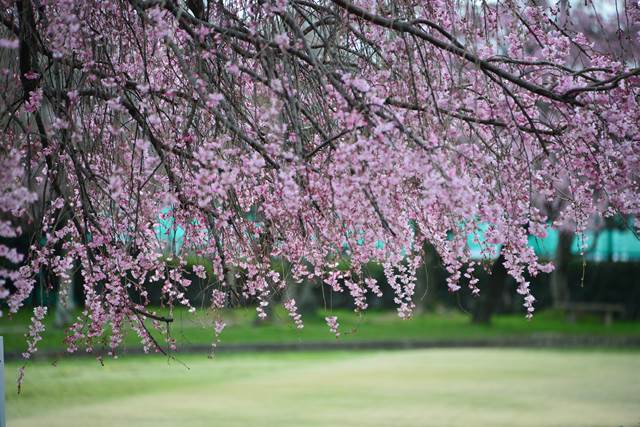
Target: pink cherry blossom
[(9, 43), (307, 133), (332, 322)]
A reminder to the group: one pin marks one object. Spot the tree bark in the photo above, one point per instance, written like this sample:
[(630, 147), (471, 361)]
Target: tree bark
[(559, 283), (65, 301), (490, 297), (65, 304), (426, 278)]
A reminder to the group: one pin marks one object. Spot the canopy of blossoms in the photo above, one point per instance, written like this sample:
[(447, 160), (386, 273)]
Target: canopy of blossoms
[(306, 130)]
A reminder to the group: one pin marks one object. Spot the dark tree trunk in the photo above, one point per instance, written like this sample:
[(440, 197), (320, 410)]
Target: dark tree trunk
[(490, 295), (426, 278), (65, 305), (560, 277), (305, 298)]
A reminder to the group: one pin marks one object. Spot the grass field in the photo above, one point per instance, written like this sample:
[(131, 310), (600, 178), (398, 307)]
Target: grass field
[(190, 329), (470, 387)]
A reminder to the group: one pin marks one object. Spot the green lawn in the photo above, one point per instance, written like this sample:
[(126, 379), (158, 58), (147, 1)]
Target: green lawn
[(463, 387), (452, 325)]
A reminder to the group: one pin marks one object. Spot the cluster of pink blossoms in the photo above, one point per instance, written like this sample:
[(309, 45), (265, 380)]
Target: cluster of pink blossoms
[(332, 322), (292, 309), (35, 331)]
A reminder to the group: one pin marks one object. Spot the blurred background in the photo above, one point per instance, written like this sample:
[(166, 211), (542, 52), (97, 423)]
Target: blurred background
[(459, 360)]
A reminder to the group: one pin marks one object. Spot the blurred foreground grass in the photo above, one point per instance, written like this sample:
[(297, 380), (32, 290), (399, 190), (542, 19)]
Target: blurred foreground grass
[(453, 387), (197, 329)]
